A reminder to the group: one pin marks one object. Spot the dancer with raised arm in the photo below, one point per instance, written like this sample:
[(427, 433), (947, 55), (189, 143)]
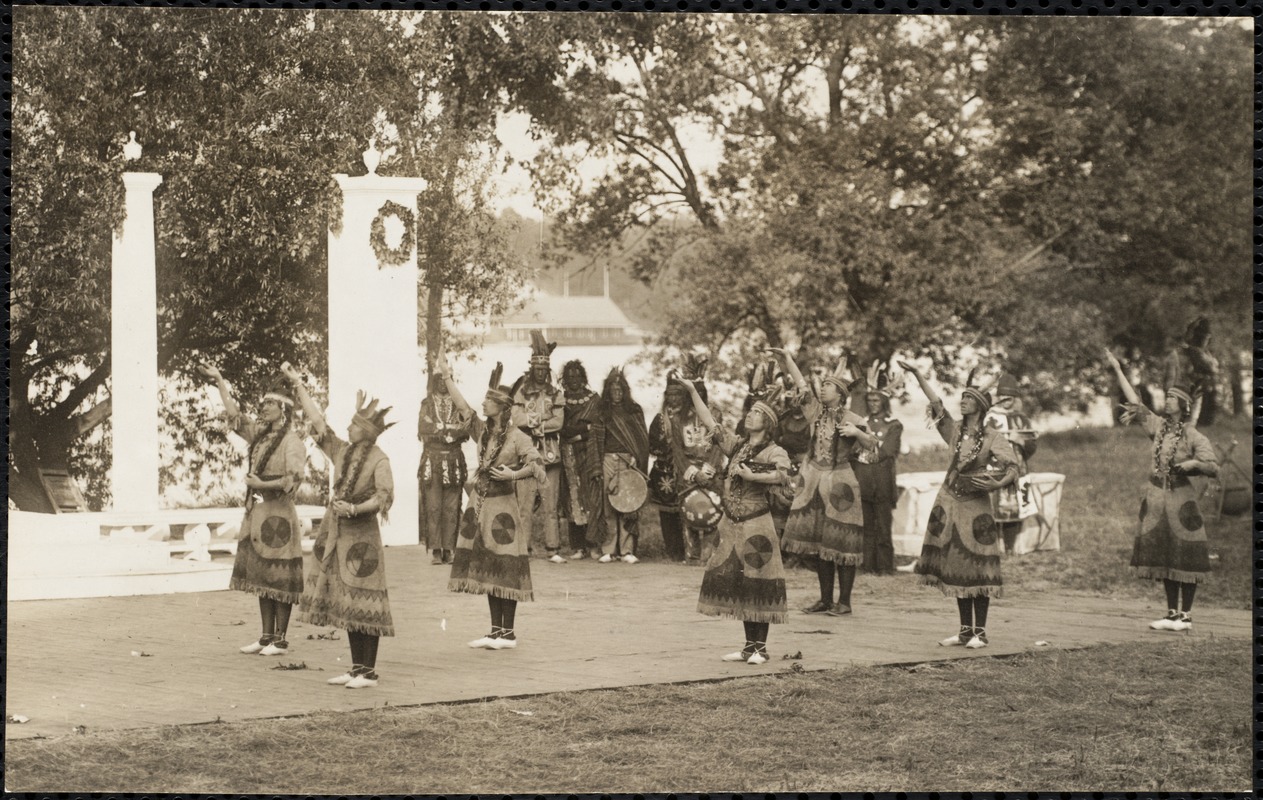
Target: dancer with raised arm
[(1171, 541), (962, 549), (744, 578), (346, 587), (269, 560), (491, 555), (826, 519)]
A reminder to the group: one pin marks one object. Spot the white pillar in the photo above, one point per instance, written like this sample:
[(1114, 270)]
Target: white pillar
[(373, 336), (134, 350)]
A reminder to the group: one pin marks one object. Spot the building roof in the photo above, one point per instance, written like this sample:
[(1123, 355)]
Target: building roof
[(575, 311)]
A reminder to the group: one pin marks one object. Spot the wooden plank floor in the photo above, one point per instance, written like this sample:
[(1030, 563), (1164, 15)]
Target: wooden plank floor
[(70, 662)]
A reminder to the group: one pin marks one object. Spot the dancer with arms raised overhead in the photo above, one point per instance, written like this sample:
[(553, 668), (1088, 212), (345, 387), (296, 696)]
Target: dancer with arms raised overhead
[(1171, 541), (962, 549), (346, 587)]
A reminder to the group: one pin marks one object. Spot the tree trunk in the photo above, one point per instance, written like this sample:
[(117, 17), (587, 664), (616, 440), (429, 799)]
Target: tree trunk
[(1234, 384), (43, 444), (433, 326)]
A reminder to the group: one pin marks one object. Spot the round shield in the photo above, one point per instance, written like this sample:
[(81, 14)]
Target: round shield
[(629, 492), (701, 508)]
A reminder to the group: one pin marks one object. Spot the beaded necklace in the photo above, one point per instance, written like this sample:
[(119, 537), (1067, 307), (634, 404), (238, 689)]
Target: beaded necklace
[(1169, 425), (973, 452)]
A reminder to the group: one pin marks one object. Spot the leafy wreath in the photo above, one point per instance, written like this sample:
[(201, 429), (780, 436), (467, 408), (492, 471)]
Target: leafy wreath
[(391, 256)]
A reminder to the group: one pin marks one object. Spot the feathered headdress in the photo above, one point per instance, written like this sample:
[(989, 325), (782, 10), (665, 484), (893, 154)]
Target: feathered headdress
[(841, 375), (369, 416), (883, 381), (771, 404), (497, 391), (980, 393), (541, 350), (762, 378)]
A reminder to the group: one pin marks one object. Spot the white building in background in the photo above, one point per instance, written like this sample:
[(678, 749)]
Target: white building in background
[(568, 320)]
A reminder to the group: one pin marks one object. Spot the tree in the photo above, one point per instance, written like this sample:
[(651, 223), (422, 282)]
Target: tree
[(918, 185), (246, 114)]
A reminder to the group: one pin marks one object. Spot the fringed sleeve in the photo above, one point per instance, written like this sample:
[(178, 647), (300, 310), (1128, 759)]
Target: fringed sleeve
[(295, 469), (383, 487), (1204, 453)]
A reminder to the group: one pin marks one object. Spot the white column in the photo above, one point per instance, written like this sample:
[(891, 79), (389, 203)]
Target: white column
[(373, 336), (134, 350)]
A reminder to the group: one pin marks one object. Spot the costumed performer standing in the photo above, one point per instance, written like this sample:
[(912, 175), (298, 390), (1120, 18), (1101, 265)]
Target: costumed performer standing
[(962, 549), (269, 560), (744, 577), (624, 446), (581, 496), (826, 519), (442, 473), (539, 409), (875, 471), (1171, 541), (1014, 502), (663, 483), (346, 587), (491, 555)]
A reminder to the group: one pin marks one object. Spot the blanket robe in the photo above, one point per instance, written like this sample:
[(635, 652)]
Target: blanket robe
[(269, 560), (744, 577), (346, 587)]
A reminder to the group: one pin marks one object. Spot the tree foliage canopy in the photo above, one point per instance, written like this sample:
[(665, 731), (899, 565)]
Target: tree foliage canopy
[(247, 114), (1041, 189)]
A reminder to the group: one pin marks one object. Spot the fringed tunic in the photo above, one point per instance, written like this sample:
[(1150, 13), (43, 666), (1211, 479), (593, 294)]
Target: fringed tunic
[(826, 518), (744, 578), (269, 561), (963, 546), (491, 553), (1171, 540), (346, 587), (441, 473)]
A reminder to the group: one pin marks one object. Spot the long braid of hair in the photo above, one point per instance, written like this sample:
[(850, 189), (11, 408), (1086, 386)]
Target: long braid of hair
[(488, 455), (273, 436), (353, 459)]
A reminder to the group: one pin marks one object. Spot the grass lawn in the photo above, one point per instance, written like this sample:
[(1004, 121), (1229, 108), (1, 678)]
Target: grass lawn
[(1168, 715)]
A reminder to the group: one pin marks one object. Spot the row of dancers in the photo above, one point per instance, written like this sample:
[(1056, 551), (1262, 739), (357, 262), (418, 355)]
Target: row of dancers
[(724, 479)]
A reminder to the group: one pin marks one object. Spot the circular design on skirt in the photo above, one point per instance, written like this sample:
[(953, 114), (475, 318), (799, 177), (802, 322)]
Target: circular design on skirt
[(503, 528), (1191, 516), (361, 559), (468, 524), (275, 531), (984, 529), (758, 551), (1144, 507), (938, 518), (842, 496)]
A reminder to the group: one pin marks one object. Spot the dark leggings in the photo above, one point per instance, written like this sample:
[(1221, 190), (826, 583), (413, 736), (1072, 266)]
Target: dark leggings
[(973, 611), (363, 650), (756, 635), (275, 615), (846, 580), (502, 613), (1176, 590)]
